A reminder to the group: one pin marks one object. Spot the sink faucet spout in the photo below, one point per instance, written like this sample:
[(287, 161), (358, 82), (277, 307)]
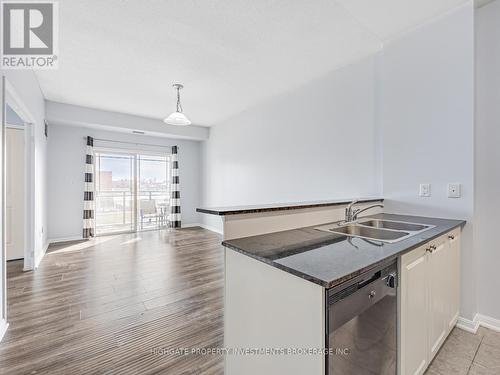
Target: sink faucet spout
[(351, 213)]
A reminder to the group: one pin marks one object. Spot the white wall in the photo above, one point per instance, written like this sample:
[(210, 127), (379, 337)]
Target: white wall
[(487, 157), (302, 145), (66, 158), (425, 114), (26, 87), (12, 117), (382, 125)]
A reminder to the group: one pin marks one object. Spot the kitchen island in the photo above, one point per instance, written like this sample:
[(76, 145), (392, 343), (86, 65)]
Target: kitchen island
[(244, 221), (279, 288)]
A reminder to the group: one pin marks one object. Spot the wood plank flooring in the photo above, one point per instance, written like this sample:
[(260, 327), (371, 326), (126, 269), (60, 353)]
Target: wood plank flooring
[(104, 306)]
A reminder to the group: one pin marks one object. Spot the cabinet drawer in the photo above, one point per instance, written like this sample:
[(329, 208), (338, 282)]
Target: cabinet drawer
[(412, 255)]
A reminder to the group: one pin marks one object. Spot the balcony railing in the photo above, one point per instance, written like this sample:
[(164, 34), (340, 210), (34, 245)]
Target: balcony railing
[(118, 211)]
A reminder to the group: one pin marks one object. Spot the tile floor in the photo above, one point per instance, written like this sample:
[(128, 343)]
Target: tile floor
[(464, 353)]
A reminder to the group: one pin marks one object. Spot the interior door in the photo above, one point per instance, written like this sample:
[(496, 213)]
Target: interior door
[(14, 193)]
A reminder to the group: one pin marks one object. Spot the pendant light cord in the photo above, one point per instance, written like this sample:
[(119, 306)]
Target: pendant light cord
[(179, 105)]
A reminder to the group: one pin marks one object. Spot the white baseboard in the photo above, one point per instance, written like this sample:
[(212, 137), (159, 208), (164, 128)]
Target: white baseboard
[(3, 328), (207, 227), (468, 325), (488, 322), (479, 320), (192, 225), (212, 229), (65, 239)]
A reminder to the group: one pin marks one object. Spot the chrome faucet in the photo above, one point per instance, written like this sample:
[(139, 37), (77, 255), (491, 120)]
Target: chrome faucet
[(351, 213)]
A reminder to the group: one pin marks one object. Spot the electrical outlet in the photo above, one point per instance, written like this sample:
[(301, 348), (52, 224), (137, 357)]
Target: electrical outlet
[(425, 190), (454, 190)]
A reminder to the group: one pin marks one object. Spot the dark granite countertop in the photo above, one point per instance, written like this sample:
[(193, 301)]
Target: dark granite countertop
[(329, 259), (236, 210)]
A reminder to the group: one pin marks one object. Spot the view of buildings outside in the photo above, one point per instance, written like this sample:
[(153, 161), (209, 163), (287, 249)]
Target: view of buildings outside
[(132, 191)]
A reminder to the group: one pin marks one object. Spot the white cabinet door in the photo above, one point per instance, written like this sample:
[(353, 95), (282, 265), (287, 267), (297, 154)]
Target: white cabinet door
[(439, 297), (430, 300), (454, 280), (413, 325)]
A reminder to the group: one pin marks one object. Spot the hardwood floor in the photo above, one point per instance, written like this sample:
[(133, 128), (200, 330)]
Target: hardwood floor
[(106, 306)]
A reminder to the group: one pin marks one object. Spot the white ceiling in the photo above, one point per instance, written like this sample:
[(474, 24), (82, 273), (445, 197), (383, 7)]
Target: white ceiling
[(123, 55)]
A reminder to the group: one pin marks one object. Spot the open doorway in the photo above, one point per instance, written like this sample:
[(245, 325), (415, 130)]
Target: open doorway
[(17, 237), (18, 184)]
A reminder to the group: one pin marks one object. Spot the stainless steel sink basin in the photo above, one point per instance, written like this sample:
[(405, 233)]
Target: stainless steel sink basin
[(395, 225), (368, 232), (377, 229)]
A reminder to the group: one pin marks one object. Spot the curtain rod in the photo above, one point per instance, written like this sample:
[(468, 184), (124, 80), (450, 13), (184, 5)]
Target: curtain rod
[(131, 143)]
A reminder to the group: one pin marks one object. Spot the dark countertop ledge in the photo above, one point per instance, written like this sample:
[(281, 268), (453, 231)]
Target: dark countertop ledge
[(329, 259), (236, 210)]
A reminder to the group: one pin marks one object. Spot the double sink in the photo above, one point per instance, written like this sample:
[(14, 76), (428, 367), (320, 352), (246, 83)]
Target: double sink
[(389, 231)]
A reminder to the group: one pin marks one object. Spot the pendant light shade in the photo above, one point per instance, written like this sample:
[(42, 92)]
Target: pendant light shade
[(177, 117)]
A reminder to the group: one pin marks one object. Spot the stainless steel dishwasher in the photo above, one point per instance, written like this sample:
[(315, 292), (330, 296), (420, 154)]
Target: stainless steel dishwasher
[(362, 324)]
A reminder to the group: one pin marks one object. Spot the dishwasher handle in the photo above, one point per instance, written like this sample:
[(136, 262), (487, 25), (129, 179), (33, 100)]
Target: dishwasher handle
[(355, 304)]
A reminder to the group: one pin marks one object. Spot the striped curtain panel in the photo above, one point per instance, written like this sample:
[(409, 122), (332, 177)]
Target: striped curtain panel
[(175, 197), (88, 194)]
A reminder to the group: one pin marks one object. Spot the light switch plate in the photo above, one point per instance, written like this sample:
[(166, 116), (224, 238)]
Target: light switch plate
[(454, 191), (425, 190)]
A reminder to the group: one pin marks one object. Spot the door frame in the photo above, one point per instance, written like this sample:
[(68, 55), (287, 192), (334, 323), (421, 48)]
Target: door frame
[(9, 126), (16, 103)]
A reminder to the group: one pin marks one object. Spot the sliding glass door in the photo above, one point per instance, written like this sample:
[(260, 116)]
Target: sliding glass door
[(153, 191), (132, 191), (115, 193)]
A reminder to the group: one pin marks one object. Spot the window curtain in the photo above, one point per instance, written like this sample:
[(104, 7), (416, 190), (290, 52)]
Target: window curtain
[(88, 194), (175, 197)]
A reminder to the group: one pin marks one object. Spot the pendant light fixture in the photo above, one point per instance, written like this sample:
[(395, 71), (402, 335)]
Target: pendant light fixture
[(178, 118)]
